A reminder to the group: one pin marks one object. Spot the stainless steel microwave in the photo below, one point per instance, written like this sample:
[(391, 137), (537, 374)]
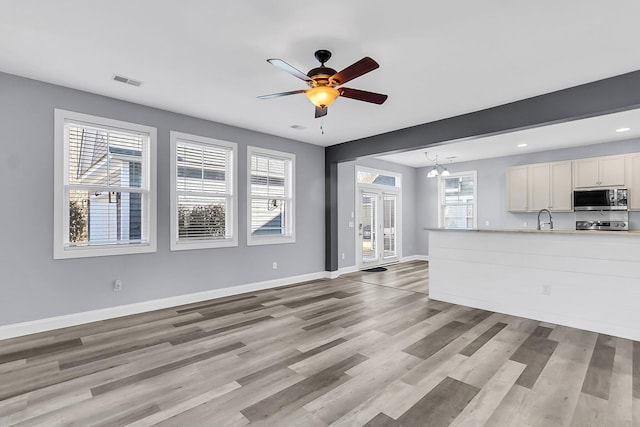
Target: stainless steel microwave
[(601, 199)]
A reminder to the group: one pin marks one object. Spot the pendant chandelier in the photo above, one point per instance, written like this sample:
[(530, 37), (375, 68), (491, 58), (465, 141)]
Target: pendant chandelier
[(437, 169)]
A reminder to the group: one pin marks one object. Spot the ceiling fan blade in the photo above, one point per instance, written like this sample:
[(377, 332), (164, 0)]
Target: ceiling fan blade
[(321, 111), (354, 70), (289, 69), (277, 95), (363, 95)]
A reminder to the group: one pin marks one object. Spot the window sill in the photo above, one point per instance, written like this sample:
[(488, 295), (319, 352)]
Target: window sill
[(256, 241), (98, 251), (195, 245)]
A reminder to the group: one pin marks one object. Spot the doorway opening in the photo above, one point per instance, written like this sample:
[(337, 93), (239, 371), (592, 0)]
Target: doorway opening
[(378, 204)]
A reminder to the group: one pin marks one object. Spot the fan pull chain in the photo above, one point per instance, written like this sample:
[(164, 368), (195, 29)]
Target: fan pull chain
[(322, 126)]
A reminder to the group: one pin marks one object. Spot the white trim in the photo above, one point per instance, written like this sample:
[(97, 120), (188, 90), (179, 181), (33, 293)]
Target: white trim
[(43, 325), (60, 211), (175, 245), (415, 258), (380, 190), (291, 221)]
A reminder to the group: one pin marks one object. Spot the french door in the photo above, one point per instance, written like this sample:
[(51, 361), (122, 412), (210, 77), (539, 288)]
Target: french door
[(377, 237)]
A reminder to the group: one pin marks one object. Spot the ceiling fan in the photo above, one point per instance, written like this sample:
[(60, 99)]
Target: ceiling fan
[(324, 82)]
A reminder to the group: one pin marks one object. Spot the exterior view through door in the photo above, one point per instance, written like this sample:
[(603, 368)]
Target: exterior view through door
[(378, 202)]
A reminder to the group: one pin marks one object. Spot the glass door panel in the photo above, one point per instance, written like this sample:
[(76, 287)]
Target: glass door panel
[(368, 226), (389, 203)]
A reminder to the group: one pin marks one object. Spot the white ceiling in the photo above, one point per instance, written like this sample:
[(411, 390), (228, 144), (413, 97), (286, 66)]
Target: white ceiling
[(208, 58)]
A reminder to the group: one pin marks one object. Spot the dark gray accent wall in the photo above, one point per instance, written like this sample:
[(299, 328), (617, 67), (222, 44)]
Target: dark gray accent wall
[(591, 99), (492, 189), (35, 286)]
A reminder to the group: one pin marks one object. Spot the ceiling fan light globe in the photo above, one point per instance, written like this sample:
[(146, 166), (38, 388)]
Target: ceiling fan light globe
[(322, 96)]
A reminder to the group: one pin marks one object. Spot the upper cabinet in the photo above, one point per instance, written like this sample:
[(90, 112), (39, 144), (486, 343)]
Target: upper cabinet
[(599, 172), (633, 181), (540, 186), (561, 197), (517, 189)]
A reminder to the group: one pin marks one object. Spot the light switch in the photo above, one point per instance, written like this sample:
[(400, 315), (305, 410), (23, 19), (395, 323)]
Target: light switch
[(350, 224)]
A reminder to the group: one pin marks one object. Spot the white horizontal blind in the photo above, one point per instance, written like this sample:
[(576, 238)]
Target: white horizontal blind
[(270, 190), (106, 185), (204, 191)]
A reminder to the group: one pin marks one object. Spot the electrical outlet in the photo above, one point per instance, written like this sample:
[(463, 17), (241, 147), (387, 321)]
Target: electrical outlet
[(274, 265), (486, 223), (342, 255), (546, 290), (117, 285), (525, 224)]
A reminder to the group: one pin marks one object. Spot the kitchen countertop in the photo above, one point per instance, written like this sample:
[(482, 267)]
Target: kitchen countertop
[(545, 231)]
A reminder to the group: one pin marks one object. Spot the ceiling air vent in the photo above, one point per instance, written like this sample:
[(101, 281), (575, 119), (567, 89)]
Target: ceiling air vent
[(127, 80), (297, 127)]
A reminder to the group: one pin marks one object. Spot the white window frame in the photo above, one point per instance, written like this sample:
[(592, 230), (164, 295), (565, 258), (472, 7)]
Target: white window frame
[(290, 198), (475, 197), (232, 208), (61, 249)]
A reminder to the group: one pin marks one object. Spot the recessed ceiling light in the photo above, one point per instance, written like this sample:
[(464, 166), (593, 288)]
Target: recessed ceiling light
[(522, 145), (623, 130)]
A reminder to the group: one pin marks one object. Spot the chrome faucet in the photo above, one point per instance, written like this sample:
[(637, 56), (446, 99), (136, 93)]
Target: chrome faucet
[(541, 224)]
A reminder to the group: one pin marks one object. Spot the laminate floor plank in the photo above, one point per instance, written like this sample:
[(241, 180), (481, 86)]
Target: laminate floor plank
[(597, 381), (303, 392), (371, 374), (483, 405), (363, 349), (556, 392), (506, 414), (535, 352), (590, 412), (620, 394), (441, 405)]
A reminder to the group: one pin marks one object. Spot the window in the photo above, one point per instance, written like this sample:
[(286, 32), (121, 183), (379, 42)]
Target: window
[(270, 197), (203, 192), (458, 200), (375, 177), (105, 192)]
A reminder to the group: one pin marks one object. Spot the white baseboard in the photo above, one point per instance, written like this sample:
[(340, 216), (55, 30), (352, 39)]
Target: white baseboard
[(415, 258), (65, 321)]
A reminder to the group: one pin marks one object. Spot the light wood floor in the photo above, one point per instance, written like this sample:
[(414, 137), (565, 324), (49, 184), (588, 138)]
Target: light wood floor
[(365, 349)]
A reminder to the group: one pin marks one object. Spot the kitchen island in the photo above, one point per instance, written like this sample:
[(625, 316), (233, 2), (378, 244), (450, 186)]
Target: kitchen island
[(583, 279)]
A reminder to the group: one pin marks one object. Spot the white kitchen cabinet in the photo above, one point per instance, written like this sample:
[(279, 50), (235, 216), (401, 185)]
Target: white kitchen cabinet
[(599, 171), (633, 180), (517, 188), (561, 186), (540, 186)]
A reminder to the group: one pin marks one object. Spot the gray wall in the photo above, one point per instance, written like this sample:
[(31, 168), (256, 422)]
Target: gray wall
[(34, 286), (492, 188), (346, 205)]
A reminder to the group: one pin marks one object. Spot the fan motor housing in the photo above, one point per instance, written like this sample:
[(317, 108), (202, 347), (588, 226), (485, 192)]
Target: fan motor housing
[(320, 76)]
